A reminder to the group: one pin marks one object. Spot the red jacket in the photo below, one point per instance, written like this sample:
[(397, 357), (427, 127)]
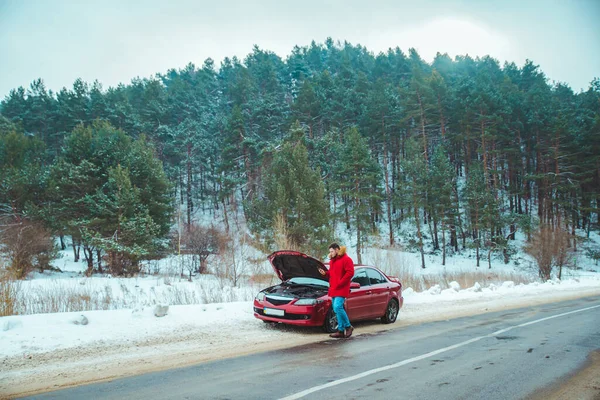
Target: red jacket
[(341, 271)]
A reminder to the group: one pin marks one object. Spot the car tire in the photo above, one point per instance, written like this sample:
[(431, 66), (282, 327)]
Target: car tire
[(330, 324), (391, 312)]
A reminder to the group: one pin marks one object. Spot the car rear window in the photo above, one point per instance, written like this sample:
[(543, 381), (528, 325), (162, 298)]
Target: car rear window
[(375, 277)]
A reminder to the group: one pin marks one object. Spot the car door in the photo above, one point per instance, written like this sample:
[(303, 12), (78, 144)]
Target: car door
[(380, 288), (357, 304)]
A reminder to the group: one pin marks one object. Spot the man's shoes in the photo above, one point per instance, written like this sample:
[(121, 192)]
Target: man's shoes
[(337, 335), (348, 331)]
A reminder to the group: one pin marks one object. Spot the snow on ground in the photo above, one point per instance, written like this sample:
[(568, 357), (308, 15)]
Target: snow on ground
[(214, 320), (28, 334), (48, 351), (39, 333)]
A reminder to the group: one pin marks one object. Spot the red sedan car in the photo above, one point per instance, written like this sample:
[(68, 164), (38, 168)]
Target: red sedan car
[(301, 298)]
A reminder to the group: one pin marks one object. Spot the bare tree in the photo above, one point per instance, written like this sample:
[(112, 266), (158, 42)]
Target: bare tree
[(201, 242), (26, 244), (232, 261), (550, 248)]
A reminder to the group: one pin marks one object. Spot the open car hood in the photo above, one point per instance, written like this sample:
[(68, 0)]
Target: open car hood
[(290, 264)]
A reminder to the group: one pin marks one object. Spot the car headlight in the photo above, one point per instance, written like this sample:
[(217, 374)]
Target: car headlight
[(307, 302), (260, 296)]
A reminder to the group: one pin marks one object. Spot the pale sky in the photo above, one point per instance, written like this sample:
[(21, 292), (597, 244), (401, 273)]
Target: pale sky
[(114, 41)]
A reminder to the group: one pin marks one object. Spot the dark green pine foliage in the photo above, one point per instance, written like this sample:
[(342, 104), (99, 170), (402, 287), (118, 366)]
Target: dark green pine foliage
[(380, 121), (418, 103), (214, 129), (239, 156), (358, 182), (307, 108), (97, 106), (323, 151), (120, 112), (100, 174), (443, 184), (293, 202), (147, 175), (22, 172), (482, 208), (584, 155), (414, 188), (267, 108), (25, 241), (14, 107), (120, 223), (188, 117), (73, 177)]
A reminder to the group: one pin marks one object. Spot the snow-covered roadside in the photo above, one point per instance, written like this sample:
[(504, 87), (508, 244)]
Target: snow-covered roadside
[(49, 351)]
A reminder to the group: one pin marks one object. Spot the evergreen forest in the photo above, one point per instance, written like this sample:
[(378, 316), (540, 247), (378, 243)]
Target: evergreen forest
[(454, 155)]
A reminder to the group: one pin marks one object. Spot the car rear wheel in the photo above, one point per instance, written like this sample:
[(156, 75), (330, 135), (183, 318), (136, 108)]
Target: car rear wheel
[(330, 324), (391, 312)]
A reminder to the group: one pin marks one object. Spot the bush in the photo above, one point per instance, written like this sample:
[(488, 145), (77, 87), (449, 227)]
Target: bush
[(594, 254), (550, 248), (26, 245), (200, 242)]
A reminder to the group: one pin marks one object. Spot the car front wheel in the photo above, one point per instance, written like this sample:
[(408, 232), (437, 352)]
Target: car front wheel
[(330, 324), (391, 312)]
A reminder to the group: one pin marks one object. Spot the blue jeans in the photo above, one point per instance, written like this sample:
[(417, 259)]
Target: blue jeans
[(342, 317)]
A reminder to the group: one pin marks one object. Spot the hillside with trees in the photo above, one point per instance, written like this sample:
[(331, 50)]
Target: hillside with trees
[(465, 151)]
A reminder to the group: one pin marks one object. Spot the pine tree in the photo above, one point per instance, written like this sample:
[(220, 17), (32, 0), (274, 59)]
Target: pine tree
[(307, 107), (482, 207), (379, 121), (22, 174), (358, 179), (442, 182), (293, 198), (120, 223), (415, 187), (105, 182)]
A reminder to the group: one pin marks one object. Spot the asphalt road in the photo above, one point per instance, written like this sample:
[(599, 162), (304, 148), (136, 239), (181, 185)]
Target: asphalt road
[(505, 355)]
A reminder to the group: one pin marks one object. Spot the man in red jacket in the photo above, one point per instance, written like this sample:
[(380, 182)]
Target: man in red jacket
[(341, 271)]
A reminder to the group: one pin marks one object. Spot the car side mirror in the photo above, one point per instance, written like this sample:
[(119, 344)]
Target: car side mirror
[(354, 285)]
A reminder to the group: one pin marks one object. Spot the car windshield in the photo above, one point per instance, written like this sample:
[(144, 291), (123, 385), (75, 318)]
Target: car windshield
[(307, 281)]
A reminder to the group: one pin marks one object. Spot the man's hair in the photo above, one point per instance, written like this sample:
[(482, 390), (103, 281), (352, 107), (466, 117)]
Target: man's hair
[(334, 246)]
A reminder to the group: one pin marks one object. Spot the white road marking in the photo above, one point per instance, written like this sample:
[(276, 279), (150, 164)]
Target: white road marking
[(423, 356)]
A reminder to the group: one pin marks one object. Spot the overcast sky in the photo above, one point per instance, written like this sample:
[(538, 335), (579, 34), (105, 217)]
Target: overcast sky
[(114, 41)]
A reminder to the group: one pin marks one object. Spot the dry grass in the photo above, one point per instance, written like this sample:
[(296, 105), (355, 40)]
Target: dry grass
[(423, 282), (281, 235), (262, 279), (19, 298), (10, 290), (468, 279), (212, 295), (397, 265), (57, 297), (182, 295)]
